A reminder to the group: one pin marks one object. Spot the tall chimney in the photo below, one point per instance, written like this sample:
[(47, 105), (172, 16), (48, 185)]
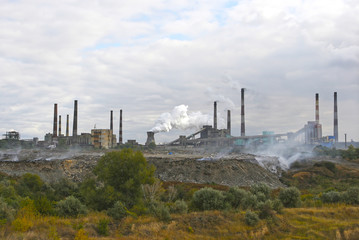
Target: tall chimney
[(317, 108), (335, 117), (120, 133), (215, 116), (229, 122), (111, 121), (60, 126), (54, 133), (243, 130), (67, 125), (74, 129)]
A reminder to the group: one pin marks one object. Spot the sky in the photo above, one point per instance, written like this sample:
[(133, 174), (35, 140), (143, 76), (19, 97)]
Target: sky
[(147, 57)]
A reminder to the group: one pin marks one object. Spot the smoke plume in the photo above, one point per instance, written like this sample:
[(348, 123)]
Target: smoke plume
[(180, 118)]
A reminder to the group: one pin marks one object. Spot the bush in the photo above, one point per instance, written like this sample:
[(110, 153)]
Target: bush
[(277, 206), (180, 207), (290, 197), (328, 165), (29, 185), (70, 207), (351, 196), (251, 218), (160, 211), (125, 171), (63, 189), (43, 205), (331, 197), (263, 188), (118, 211), (249, 201), (235, 196), (208, 199), (102, 227), (265, 209), (6, 212)]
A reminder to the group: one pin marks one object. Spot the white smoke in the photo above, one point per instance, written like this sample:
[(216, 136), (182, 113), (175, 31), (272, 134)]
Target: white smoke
[(180, 118)]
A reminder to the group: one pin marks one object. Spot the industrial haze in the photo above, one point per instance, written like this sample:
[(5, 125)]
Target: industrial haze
[(148, 58)]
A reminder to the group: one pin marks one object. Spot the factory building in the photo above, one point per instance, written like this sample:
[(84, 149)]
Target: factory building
[(102, 138)]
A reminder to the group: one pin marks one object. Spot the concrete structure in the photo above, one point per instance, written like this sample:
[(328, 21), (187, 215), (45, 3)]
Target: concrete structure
[(102, 138), (150, 138), (67, 125), (215, 115), (54, 132), (229, 122), (74, 128), (59, 125), (336, 136), (243, 129), (120, 140)]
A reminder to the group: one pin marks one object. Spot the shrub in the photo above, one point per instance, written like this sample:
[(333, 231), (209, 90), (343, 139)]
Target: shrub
[(160, 211), (249, 201), (70, 207), (81, 235), (263, 188), (251, 218), (6, 212), (290, 197), (125, 171), (43, 205), (102, 227), (29, 185), (235, 196), (64, 188), (328, 165), (208, 199), (331, 197), (351, 196), (265, 209), (118, 211), (277, 206), (180, 207)]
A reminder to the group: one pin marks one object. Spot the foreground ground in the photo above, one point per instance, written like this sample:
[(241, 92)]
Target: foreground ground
[(326, 222)]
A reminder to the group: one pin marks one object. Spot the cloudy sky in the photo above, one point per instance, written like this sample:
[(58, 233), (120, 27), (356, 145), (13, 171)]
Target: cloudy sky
[(146, 57)]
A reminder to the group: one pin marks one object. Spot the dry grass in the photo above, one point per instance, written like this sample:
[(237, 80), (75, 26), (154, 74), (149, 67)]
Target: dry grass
[(336, 221)]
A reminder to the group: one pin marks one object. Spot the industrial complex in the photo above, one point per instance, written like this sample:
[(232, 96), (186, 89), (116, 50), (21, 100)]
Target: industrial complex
[(208, 135)]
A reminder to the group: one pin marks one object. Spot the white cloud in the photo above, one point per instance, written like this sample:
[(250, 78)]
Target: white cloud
[(148, 57)]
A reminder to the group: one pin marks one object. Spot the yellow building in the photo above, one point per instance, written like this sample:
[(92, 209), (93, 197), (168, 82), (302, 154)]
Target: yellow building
[(102, 138)]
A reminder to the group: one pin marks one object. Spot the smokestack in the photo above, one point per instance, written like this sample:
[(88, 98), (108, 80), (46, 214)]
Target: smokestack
[(335, 117), (317, 108), (120, 133), (150, 138), (111, 121), (243, 130), (74, 129), (54, 133), (215, 116), (229, 122), (60, 125), (67, 125)]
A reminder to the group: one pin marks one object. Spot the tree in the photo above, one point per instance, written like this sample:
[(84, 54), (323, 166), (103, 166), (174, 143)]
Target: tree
[(125, 171), (290, 197)]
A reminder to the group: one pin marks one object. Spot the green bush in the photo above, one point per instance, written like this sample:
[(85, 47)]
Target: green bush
[(70, 207), (328, 165), (351, 196), (98, 197), (160, 211), (331, 197), (234, 196), (249, 201), (290, 197), (125, 171), (102, 227), (43, 205), (179, 206), (265, 209), (7, 213), (64, 188), (251, 218), (277, 206), (29, 185), (263, 188), (118, 211), (208, 199)]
